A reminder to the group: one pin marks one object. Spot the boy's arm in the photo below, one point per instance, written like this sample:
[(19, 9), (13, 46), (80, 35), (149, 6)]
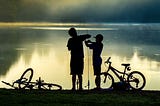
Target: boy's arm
[(86, 43), (89, 44), (85, 36), (69, 45)]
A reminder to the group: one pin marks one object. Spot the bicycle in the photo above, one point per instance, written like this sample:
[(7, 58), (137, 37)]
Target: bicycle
[(25, 82), (134, 80)]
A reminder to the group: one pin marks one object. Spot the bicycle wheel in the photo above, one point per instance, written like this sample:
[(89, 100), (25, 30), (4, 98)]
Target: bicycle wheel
[(50, 86), (136, 80), (106, 81), (25, 79)]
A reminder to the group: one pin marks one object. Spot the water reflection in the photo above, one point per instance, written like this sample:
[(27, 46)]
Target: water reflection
[(45, 51)]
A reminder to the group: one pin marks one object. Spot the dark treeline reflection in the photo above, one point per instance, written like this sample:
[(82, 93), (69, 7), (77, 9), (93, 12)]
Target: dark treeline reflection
[(14, 41), (128, 38), (9, 39)]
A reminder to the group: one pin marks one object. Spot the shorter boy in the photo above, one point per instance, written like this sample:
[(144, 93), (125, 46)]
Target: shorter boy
[(97, 60)]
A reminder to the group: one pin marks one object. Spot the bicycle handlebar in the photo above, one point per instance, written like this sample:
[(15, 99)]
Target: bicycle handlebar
[(108, 60)]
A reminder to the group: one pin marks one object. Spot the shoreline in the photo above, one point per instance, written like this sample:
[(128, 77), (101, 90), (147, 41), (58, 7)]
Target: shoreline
[(71, 98)]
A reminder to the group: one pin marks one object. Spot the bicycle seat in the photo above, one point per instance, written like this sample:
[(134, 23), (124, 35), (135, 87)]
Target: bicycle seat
[(125, 65)]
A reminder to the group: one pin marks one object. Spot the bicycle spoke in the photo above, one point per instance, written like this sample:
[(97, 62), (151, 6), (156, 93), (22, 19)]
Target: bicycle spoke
[(106, 81), (136, 80), (49, 86)]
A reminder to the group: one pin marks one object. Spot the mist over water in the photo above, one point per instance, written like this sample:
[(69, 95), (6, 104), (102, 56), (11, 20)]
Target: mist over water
[(43, 48)]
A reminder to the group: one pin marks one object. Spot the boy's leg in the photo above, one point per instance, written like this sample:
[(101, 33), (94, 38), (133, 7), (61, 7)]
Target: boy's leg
[(97, 70), (73, 82), (80, 82), (98, 81)]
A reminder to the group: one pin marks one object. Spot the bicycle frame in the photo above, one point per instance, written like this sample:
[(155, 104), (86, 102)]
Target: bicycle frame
[(117, 72)]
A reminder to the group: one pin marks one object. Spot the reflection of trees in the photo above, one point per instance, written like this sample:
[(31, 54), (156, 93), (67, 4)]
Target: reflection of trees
[(134, 35), (150, 52), (10, 39), (8, 56), (123, 41)]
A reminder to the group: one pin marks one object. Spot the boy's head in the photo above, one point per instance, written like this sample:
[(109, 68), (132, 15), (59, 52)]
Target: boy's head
[(99, 37), (72, 32)]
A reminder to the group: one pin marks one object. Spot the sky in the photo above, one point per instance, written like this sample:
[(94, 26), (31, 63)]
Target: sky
[(80, 11)]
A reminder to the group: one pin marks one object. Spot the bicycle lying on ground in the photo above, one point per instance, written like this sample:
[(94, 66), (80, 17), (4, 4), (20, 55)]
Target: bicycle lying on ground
[(134, 80), (25, 82)]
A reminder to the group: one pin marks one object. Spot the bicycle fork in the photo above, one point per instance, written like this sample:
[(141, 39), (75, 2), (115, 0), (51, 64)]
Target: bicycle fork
[(106, 75)]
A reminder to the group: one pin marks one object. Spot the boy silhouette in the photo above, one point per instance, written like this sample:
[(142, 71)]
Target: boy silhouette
[(97, 48), (75, 46)]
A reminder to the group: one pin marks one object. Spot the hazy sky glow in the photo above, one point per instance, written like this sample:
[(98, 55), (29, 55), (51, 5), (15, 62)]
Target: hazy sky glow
[(80, 10)]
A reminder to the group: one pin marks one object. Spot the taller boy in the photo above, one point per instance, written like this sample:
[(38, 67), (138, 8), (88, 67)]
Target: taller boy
[(75, 46)]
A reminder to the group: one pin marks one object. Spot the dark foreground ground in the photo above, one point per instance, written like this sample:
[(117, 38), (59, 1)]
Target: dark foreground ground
[(78, 98)]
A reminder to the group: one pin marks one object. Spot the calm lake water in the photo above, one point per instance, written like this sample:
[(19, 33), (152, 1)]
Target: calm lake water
[(43, 48)]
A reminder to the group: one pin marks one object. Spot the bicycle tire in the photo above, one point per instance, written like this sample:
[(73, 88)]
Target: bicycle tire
[(107, 81), (136, 80), (23, 84), (50, 86)]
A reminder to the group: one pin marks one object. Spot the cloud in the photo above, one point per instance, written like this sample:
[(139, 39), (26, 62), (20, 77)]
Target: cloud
[(80, 10), (105, 10)]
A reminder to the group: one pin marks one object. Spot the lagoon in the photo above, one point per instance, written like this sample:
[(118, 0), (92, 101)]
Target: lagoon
[(43, 48)]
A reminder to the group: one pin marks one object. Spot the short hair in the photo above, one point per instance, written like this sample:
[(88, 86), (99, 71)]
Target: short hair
[(99, 36), (72, 31)]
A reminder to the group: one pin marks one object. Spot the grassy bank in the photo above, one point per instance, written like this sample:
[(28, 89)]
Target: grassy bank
[(78, 98)]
